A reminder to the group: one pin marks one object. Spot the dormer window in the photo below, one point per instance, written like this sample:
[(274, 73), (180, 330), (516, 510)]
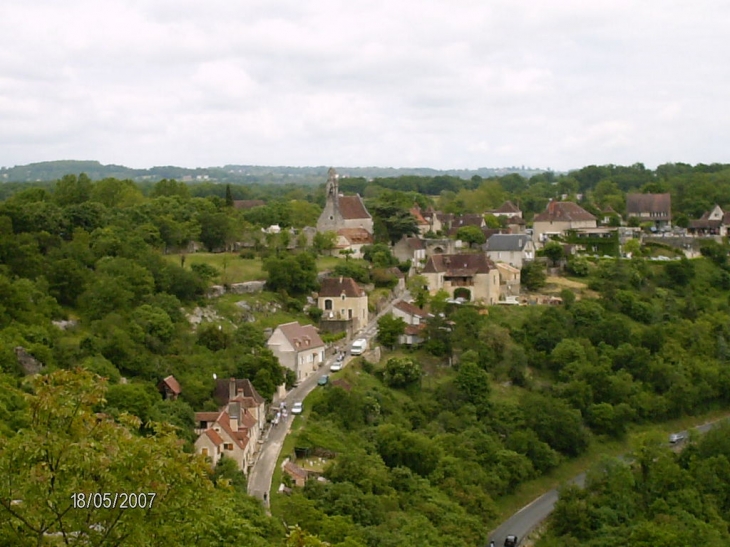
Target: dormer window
[(343, 296)]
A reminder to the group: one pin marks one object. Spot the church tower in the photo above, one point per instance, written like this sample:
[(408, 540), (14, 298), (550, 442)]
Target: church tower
[(331, 219)]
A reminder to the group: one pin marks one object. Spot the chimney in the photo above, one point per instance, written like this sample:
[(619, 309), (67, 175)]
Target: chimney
[(233, 415), (231, 389)]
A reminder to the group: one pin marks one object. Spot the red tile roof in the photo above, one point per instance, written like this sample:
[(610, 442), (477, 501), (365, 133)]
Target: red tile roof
[(207, 416), (352, 207), (337, 286), (410, 309), (508, 207), (356, 236), (172, 384), (213, 436), (563, 211), (416, 212), (459, 265)]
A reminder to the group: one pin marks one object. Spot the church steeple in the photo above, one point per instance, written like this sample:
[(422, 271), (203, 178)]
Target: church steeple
[(332, 189)]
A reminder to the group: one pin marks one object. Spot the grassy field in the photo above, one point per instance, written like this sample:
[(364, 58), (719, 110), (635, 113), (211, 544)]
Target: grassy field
[(234, 269)]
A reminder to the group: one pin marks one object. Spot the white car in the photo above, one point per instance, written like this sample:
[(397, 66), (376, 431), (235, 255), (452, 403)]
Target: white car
[(675, 438), (336, 366), (297, 408)]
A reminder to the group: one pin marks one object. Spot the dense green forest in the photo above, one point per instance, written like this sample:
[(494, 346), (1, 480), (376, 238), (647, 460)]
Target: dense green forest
[(425, 442), (660, 499)]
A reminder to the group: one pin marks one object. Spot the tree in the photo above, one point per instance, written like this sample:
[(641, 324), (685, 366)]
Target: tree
[(293, 274), (554, 251), (533, 276), (402, 372), (70, 462), (390, 329), (229, 196), (324, 241), (472, 235), (215, 230)]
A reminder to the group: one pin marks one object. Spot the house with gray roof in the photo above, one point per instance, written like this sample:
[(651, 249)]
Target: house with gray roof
[(512, 249), (298, 348)]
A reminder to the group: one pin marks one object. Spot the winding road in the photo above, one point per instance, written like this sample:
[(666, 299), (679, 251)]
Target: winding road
[(524, 521)]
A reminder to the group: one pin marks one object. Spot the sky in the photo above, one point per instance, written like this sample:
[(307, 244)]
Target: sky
[(426, 83)]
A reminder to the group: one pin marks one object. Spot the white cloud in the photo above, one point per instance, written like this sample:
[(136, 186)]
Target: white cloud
[(432, 83)]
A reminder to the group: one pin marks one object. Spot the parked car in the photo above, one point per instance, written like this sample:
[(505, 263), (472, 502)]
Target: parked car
[(359, 346), (336, 366), (675, 438), (298, 408), (510, 541), (323, 380)]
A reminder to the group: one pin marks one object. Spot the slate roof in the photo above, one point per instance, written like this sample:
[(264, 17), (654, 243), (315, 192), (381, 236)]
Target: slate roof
[(459, 265), (301, 337), (467, 220), (415, 243), (222, 390), (649, 203), (352, 207), (563, 211), (506, 242), (336, 286)]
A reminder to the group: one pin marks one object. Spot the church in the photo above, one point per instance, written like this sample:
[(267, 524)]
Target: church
[(342, 211), (347, 216)]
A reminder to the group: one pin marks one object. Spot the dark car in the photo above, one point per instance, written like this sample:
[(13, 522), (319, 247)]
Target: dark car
[(510, 541), (323, 380)]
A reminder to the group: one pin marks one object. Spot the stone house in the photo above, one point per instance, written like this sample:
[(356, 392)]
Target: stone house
[(298, 348), (558, 217), (342, 299), (656, 208), (507, 209), (471, 276), (512, 249), (411, 248), (234, 430), (509, 280)]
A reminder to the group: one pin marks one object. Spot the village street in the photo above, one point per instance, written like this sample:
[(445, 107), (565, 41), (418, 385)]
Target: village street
[(260, 476)]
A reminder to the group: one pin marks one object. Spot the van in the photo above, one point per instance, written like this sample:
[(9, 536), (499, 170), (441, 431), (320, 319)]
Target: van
[(359, 346)]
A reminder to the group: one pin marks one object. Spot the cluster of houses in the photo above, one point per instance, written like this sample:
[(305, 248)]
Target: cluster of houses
[(489, 274)]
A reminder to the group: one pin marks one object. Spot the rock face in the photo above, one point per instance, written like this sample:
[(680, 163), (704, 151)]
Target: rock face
[(199, 315), (247, 288), (30, 364), (64, 325)]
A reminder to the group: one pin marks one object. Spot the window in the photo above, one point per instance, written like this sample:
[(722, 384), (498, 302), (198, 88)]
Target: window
[(349, 313), (328, 304), (227, 446), (343, 297), (204, 452)]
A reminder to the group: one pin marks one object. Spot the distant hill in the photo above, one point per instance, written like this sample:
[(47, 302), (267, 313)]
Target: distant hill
[(239, 174)]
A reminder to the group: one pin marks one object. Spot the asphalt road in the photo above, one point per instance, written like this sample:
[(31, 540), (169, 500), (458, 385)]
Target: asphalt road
[(524, 521), (262, 472)]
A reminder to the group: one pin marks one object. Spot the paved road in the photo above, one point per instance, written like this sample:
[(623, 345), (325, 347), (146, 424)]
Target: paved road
[(524, 521), (260, 476)]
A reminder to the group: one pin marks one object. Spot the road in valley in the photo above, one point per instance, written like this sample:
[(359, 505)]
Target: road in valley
[(524, 521), (262, 472)]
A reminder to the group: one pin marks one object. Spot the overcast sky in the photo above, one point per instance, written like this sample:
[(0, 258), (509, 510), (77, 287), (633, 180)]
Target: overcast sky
[(397, 83)]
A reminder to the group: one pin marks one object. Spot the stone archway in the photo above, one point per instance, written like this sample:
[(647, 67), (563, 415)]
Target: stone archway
[(462, 292)]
